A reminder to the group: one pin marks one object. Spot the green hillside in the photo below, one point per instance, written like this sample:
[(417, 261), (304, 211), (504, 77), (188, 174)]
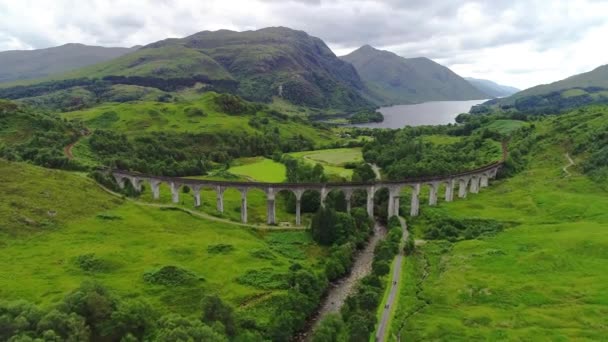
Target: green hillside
[(257, 65), (392, 79), (19, 65), (575, 91), (537, 270)]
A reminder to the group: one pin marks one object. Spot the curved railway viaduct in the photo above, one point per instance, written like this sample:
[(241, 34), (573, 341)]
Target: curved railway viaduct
[(469, 181)]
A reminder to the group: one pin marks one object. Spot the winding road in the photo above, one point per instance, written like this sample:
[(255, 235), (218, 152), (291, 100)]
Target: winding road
[(394, 288)]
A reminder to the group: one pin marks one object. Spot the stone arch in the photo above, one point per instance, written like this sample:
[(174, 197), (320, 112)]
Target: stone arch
[(450, 186), (336, 197), (429, 191), (463, 184)]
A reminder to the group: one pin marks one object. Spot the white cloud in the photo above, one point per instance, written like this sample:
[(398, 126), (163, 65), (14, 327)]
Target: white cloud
[(515, 42)]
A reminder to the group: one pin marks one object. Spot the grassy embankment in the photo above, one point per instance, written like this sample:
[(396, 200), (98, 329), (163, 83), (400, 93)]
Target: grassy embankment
[(52, 219), (542, 278)]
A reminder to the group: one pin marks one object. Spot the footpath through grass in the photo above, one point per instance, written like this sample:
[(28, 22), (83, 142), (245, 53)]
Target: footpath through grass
[(542, 279)]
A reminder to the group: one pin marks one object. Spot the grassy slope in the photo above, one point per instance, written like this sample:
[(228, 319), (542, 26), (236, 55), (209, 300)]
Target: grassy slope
[(148, 116), (41, 267), (259, 169), (542, 279), (333, 160)]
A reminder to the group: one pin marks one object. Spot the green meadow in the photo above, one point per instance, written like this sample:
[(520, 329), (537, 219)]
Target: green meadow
[(542, 278), (333, 160), (60, 229), (259, 169)]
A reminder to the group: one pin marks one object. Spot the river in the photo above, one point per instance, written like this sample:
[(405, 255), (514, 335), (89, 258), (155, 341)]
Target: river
[(426, 113)]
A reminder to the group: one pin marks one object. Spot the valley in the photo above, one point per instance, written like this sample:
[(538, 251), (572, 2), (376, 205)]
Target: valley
[(254, 186)]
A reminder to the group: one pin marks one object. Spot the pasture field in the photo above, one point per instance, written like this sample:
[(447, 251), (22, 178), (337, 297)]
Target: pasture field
[(92, 235), (259, 169), (506, 127), (333, 160), (542, 278)]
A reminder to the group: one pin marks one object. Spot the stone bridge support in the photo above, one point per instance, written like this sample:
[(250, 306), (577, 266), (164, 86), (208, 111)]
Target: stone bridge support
[(474, 184), (393, 200), (219, 194), (462, 187), (449, 190), (434, 189), (415, 204), (243, 205), (370, 201), (120, 181), (298, 193), (483, 183), (155, 186), (197, 195), (324, 191), (270, 206), (174, 192), (348, 194)]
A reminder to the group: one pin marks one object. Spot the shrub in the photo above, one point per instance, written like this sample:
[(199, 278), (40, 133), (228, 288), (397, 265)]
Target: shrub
[(265, 278), (170, 276), (220, 249)]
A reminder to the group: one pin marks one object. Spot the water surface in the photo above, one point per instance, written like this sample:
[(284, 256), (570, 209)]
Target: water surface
[(427, 113)]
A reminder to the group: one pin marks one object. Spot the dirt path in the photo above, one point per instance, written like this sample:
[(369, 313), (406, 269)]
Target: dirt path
[(68, 149), (570, 163), (376, 169), (394, 288)]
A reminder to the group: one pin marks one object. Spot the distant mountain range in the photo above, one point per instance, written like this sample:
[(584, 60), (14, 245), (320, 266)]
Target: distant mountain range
[(491, 88), (392, 79), (586, 88), (263, 65), (31, 64)]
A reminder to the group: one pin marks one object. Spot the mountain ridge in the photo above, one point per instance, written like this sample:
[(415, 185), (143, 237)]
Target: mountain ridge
[(393, 79), (492, 88)]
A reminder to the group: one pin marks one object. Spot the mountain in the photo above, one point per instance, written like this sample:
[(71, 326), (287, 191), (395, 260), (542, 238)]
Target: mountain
[(18, 65), (392, 79), (258, 65), (582, 89), (491, 88)]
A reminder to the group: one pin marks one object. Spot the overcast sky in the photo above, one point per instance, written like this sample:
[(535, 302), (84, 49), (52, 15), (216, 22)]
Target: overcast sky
[(514, 42)]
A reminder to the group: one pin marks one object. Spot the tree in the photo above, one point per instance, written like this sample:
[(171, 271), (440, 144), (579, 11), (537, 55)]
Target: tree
[(364, 173), (410, 246), (329, 329), (380, 268), (133, 317), (214, 310), (174, 327)]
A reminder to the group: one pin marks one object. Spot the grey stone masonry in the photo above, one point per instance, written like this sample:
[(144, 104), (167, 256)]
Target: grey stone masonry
[(471, 181)]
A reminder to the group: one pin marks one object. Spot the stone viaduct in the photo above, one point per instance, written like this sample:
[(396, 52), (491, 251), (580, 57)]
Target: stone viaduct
[(470, 181)]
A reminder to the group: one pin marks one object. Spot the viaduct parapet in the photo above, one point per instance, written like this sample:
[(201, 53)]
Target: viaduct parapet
[(469, 181)]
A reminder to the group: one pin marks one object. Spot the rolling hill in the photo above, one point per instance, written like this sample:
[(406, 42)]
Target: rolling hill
[(16, 65), (575, 91), (392, 79), (492, 88), (260, 65)]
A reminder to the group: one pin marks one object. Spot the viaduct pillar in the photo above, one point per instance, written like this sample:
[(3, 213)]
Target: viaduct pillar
[(462, 187), (155, 186), (433, 194), (415, 205), (348, 194), (219, 193), (324, 193), (298, 194), (174, 192), (120, 181), (270, 210), (197, 196), (474, 184), (483, 183), (449, 190), (243, 205), (370, 201)]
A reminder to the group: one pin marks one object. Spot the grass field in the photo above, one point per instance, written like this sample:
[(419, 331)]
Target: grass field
[(333, 160), (542, 279), (41, 261), (506, 127), (259, 169)]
